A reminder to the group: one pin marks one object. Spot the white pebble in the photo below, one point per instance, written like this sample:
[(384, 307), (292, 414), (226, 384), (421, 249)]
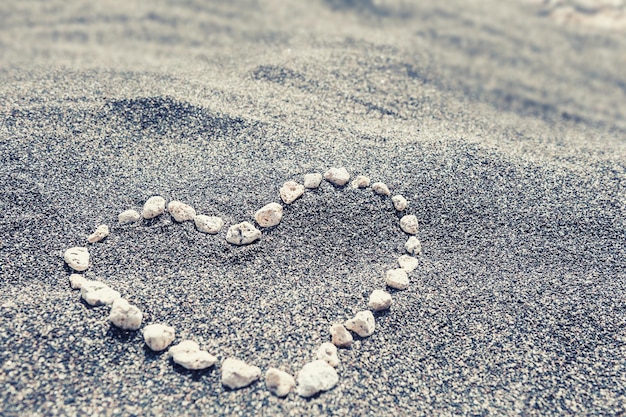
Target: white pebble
[(413, 246), (238, 374), (408, 224), (188, 355), (280, 383), (153, 207), (312, 180), (269, 215), (100, 233), (96, 293), (362, 323), (291, 191), (408, 263), (128, 216), (361, 181), (380, 300), (341, 337), (399, 202), (208, 224), (125, 315), (180, 211), (337, 176), (77, 281), (381, 188), (243, 233), (316, 376), (328, 352), (158, 336), (397, 278), (77, 258)]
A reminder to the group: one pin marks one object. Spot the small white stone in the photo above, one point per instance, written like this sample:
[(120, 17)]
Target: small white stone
[(413, 246), (180, 211), (380, 300), (243, 233), (312, 180), (77, 281), (208, 224), (77, 258), (238, 374), (316, 376), (341, 337), (397, 278), (408, 263), (381, 188), (328, 352), (100, 233), (269, 215), (337, 176), (399, 202), (408, 224), (362, 323), (158, 336), (96, 293), (361, 181), (291, 191), (153, 207), (188, 355), (128, 216), (280, 383), (125, 315)]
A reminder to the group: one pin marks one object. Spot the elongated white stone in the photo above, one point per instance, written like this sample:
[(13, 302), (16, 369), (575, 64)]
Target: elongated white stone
[(77, 258), (279, 383), (291, 191), (337, 176), (408, 263), (397, 278), (408, 224), (312, 180), (153, 207), (208, 224), (96, 293), (188, 355), (381, 188), (269, 215), (362, 323), (100, 233), (328, 352), (361, 181), (77, 281), (125, 315), (128, 216), (238, 374), (180, 211), (316, 376), (380, 300), (340, 336), (158, 336), (413, 246), (399, 202), (243, 233)]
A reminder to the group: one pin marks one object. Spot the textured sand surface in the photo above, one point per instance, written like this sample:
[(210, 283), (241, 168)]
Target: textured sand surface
[(505, 131)]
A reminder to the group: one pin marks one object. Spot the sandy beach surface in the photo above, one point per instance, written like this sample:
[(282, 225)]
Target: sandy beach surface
[(504, 128)]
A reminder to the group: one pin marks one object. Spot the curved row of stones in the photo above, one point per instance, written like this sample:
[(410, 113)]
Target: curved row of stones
[(314, 377)]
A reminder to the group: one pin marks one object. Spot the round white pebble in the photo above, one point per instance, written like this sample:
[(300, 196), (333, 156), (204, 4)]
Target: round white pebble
[(269, 215), (280, 383), (77, 281), (208, 224), (361, 181), (77, 258), (362, 323), (100, 233), (413, 246), (397, 278), (408, 224), (341, 337), (291, 191), (380, 300), (125, 315), (312, 180), (188, 355), (399, 202), (381, 188), (408, 263), (96, 293), (238, 374), (180, 211), (153, 207), (158, 336), (243, 233), (337, 176), (128, 216), (316, 376), (328, 352)]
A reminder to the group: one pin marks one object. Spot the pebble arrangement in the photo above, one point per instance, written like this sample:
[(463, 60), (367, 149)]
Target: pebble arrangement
[(315, 376)]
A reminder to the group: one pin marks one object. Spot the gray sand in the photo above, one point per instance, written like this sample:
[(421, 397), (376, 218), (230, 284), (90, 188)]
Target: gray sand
[(505, 130)]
